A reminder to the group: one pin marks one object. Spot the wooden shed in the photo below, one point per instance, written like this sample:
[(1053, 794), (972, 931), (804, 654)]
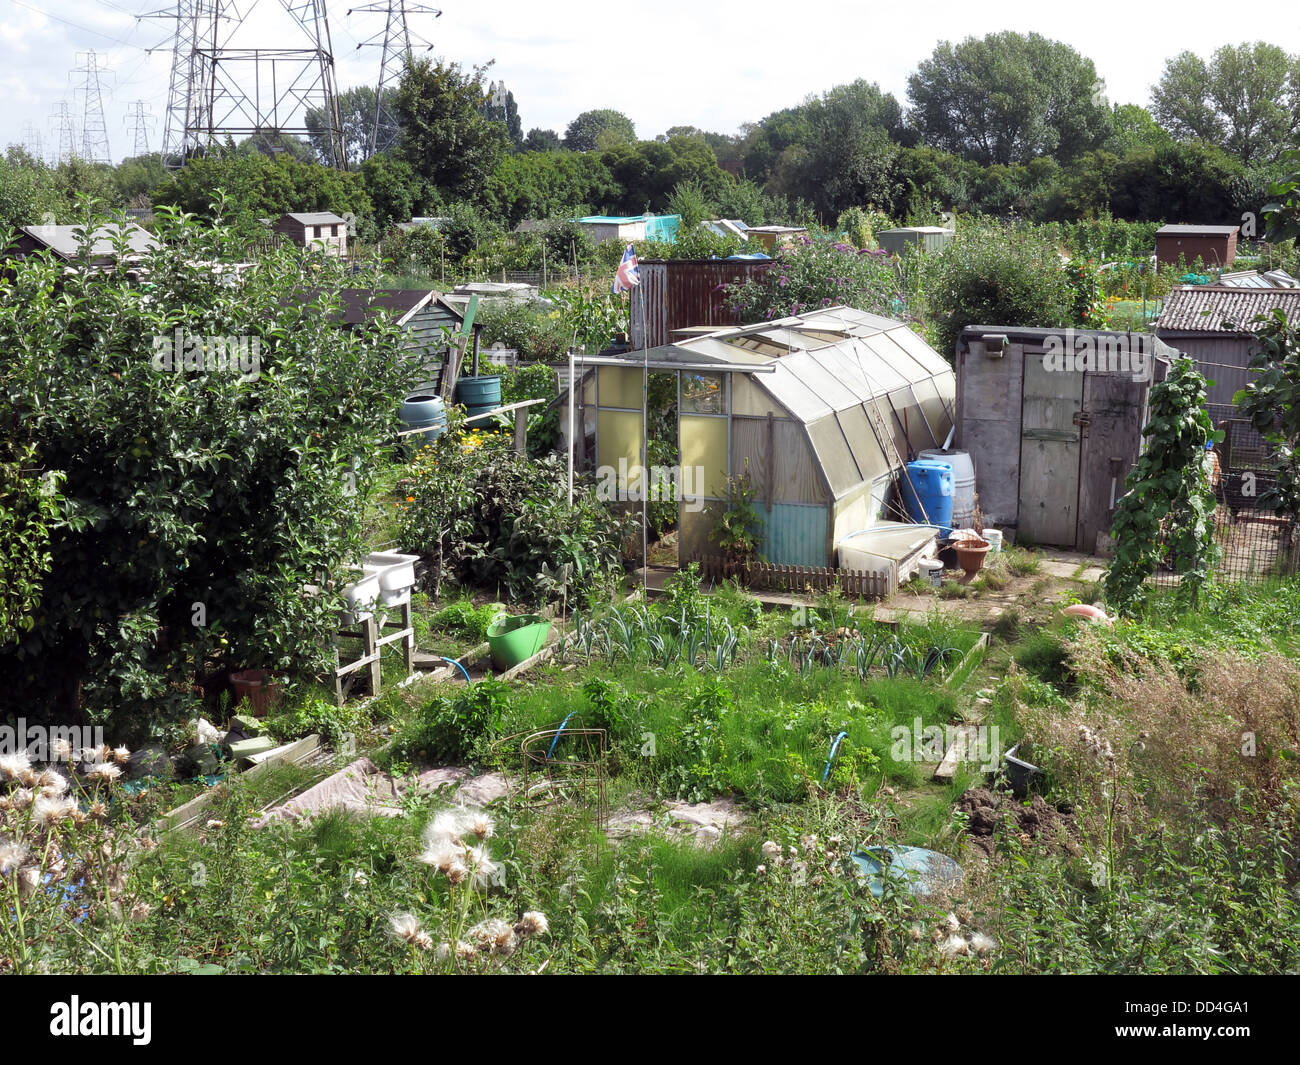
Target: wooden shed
[(422, 315), (1215, 325), (1053, 419), (820, 409), (678, 294), (1213, 245), (64, 242), (315, 228)]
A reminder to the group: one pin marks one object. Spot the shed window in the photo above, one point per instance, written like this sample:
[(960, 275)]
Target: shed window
[(334, 230), (318, 229)]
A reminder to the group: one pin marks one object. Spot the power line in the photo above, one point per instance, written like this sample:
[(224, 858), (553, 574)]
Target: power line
[(74, 25)]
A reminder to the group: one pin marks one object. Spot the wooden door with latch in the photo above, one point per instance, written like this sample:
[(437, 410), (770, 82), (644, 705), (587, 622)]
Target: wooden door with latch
[(1049, 454)]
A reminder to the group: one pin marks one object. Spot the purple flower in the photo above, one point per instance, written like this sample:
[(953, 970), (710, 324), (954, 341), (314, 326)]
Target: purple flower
[(784, 280)]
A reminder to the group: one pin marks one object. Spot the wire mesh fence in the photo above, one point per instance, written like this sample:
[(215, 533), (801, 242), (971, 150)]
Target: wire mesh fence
[(1256, 543)]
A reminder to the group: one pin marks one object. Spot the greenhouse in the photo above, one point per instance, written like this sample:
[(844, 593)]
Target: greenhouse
[(821, 410)]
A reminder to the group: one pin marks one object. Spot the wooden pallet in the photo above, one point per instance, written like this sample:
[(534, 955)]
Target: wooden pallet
[(374, 640)]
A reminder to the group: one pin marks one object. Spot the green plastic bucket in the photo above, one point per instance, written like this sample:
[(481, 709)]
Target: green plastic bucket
[(512, 640)]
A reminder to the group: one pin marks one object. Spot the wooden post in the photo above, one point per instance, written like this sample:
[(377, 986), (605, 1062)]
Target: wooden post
[(370, 630), (408, 642), (521, 432)]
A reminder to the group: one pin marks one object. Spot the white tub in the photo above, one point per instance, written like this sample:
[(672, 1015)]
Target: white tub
[(891, 547)]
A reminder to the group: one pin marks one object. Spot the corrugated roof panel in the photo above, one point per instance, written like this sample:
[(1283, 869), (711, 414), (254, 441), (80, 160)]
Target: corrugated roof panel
[(1206, 308)]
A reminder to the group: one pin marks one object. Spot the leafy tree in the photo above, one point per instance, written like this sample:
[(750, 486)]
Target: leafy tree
[(1272, 403), (396, 192), (1168, 507), (1282, 215), (30, 507), (989, 274), (277, 145), (1179, 182), (137, 177), (741, 198), (1009, 97), (446, 138), (547, 184), (1133, 126), (601, 128), (647, 172), (1246, 99), (28, 193), (357, 111), (199, 484), (811, 275), (259, 186), (541, 140)]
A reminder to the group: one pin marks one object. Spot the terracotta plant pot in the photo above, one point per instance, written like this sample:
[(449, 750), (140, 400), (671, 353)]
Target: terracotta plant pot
[(257, 686), (971, 554)]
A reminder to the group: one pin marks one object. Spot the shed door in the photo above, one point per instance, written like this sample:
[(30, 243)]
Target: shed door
[(1049, 454), (1112, 421)]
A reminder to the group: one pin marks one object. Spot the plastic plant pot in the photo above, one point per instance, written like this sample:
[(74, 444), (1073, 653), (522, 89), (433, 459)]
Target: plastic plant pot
[(1020, 774), (512, 640)]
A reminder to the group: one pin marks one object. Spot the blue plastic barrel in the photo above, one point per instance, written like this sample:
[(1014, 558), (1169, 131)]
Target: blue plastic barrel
[(420, 411), (927, 493), (479, 394), (963, 483)]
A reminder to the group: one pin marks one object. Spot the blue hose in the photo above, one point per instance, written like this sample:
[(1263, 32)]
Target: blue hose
[(834, 747), (550, 750), (460, 667)]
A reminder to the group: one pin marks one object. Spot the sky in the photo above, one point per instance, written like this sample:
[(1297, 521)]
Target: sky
[(710, 63)]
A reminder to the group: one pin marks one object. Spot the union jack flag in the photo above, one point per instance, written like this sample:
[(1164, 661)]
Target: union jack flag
[(627, 277)]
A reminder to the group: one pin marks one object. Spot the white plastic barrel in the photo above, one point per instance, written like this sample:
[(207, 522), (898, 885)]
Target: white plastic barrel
[(963, 483)]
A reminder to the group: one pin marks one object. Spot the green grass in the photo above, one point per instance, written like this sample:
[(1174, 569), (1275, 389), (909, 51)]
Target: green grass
[(1021, 562)]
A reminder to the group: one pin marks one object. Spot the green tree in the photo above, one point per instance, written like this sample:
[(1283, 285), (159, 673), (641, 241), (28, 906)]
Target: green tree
[(541, 140), (396, 192), (1245, 100), (645, 173), (1133, 126), (28, 193), (601, 128), (1009, 97), (446, 138), (547, 184), (357, 112), (201, 496)]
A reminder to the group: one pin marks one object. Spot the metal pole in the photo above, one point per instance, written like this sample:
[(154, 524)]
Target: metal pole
[(645, 454), (572, 384)]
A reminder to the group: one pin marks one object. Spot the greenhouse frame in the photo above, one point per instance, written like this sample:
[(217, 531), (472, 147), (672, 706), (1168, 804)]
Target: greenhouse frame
[(821, 410)]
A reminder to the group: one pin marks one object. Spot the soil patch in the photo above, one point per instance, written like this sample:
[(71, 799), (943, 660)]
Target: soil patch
[(993, 813)]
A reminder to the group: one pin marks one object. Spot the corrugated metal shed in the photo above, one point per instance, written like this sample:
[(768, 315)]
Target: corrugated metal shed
[(927, 238), (681, 293)]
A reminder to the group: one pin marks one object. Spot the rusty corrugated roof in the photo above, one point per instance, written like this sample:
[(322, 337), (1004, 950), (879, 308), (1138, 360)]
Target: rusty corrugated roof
[(1223, 309)]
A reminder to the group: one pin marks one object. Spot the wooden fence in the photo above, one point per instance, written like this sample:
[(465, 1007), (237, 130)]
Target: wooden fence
[(764, 576)]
